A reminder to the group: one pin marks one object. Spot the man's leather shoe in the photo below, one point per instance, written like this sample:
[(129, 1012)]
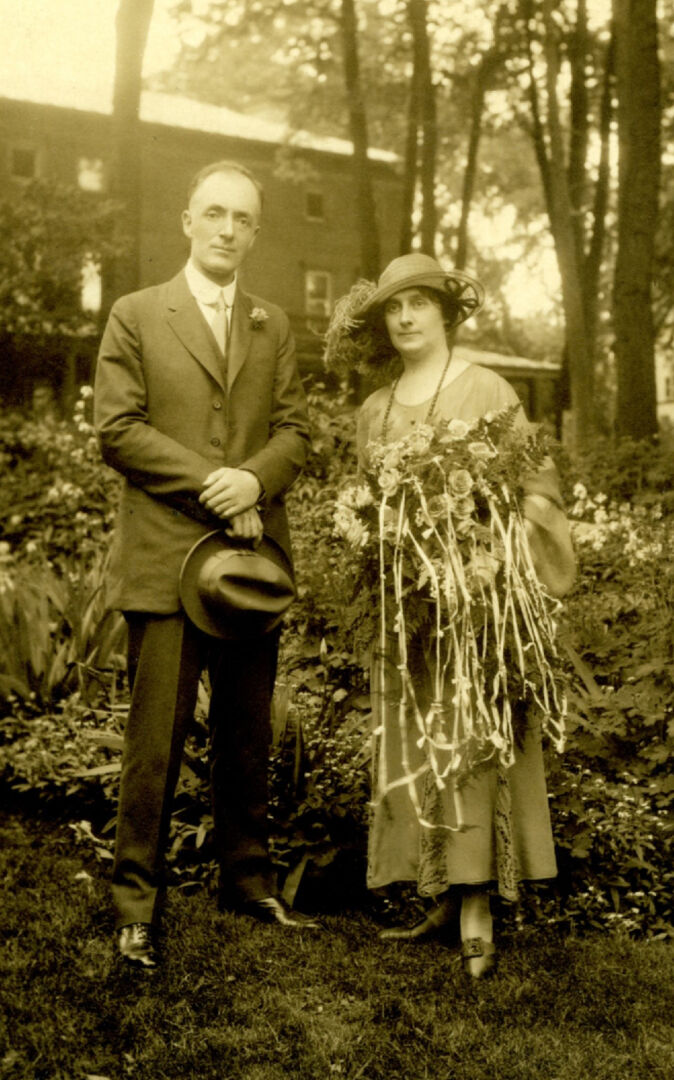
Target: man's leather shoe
[(137, 948), (273, 909)]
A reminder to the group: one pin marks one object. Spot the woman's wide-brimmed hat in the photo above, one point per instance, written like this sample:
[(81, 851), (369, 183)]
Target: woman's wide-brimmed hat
[(232, 590), (408, 271)]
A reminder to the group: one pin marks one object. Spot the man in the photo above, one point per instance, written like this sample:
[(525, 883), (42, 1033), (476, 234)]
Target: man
[(199, 406)]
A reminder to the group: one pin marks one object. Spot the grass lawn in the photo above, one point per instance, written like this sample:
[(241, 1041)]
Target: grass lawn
[(237, 1000)]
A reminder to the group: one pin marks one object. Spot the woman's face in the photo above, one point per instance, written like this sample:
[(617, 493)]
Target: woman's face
[(415, 323)]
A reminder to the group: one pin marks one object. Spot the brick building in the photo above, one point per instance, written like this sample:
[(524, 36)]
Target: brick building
[(307, 253)]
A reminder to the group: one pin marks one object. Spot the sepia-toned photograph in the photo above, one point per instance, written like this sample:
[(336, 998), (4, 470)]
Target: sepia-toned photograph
[(337, 540)]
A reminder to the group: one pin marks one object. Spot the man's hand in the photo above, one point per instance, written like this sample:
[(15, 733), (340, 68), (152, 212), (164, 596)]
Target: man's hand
[(246, 526), (228, 492)]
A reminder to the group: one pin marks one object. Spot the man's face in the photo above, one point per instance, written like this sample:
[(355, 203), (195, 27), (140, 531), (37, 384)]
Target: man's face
[(222, 222)]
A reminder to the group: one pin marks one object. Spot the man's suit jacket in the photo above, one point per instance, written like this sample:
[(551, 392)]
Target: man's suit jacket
[(167, 416)]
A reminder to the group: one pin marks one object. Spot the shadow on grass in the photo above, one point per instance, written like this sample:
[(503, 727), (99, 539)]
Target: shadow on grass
[(236, 1000)]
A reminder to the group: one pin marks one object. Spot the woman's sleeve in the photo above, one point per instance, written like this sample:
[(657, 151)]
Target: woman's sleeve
[(549, 534)]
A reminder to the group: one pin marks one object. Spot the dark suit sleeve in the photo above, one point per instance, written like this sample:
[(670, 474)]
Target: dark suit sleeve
[(281, 460), (148, 458)]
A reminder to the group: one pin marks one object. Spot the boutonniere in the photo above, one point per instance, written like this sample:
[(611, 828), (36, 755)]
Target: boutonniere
[(258, 318)]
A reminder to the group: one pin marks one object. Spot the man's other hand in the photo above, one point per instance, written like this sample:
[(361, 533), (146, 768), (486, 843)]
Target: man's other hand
[(228, 492), (246, 526)]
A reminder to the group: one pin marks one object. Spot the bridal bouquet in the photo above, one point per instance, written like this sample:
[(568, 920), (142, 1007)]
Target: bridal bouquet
[(438, 550)]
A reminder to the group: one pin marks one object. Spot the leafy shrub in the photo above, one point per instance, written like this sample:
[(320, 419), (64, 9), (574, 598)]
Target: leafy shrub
[(623, 470), (71, 751), (614, 843), (57, 499), (610, 793), (41, 265), (56, 634)]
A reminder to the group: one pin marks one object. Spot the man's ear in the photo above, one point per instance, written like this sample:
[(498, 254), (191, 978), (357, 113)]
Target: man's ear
[(186, 219)]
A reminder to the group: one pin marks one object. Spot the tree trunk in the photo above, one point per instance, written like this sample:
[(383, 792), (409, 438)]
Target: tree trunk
[(537, 131), (562, 223), (410, 169), (639, 119), (365, 203), (593, 259), (418, 12), (470, 174), (132, 23), (578, 136)]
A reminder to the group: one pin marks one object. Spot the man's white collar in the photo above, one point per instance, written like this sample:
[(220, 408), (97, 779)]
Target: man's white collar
[(206, 291)]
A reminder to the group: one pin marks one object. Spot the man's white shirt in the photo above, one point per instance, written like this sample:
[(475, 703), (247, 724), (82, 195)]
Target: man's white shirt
[(206, 293)]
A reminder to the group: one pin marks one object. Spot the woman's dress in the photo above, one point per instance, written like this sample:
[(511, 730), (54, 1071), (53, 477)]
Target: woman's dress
[(508, 836)]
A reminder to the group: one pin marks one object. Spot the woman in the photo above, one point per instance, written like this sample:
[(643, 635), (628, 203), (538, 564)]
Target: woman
[(412, 314)]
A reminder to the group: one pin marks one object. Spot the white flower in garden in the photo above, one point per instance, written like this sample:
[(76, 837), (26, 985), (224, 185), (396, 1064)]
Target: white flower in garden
[(580, 491), (362, 497), (350, 527), (86, 392), (358, 535), (346, 497)]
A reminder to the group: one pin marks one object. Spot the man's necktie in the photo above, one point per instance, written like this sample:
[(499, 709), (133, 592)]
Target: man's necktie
[(220, 325)]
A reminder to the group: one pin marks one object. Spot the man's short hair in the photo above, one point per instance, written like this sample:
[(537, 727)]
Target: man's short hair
[(224, 167)]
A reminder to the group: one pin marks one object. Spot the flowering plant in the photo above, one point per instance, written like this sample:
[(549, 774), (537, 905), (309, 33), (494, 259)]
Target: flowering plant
[(439, 553), (258, 318)]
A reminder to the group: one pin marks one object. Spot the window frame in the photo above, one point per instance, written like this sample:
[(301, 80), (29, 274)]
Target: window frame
[(317, 319), (314, 193), (23, 146)]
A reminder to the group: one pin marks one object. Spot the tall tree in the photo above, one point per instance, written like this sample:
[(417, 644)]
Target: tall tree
[(639, 119), (427, 125), (362, 172), (569, 251), (132, 27), (577, 219)]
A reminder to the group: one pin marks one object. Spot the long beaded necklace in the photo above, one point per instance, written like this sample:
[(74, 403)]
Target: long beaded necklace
[(431, 407)]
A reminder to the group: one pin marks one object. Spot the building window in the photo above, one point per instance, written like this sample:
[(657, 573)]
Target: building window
[(91, 287), (23, 163), (90, 174), (317, 297), (314, 207)]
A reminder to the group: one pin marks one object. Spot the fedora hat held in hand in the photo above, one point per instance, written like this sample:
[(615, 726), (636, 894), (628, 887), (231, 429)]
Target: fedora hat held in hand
[(231, 590)]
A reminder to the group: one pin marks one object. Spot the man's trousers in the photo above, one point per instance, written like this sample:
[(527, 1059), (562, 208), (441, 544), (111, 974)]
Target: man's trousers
[(166, 656)]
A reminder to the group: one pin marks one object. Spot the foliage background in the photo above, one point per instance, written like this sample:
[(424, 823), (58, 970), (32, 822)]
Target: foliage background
[(62, 691)]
